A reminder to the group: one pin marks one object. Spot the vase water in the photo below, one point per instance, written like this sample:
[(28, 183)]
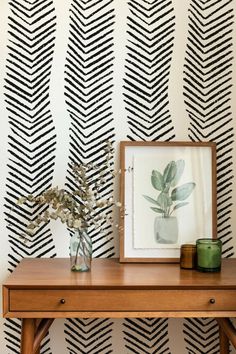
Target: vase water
[(80, 251)]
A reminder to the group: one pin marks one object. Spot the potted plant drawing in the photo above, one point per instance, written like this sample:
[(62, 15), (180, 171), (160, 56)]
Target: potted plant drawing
[(171, 197)]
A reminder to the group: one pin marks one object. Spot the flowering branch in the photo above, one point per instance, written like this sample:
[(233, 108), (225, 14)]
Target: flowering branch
[(77, 209)]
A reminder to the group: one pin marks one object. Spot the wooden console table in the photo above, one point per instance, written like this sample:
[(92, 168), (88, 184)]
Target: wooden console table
[(40, 290)]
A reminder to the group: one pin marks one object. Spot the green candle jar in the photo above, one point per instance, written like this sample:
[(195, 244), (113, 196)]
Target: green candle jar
[(209, 254)]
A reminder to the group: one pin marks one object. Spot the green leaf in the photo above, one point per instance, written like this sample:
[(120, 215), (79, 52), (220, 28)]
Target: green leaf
[(164, 201), (182, 192), (157, 180), (158, 210), (151, 200), (177, 206), (169, 172), (179, 171)]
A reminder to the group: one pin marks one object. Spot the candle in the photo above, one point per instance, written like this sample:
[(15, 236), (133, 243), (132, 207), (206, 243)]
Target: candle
[(209, 254), (187, 256)]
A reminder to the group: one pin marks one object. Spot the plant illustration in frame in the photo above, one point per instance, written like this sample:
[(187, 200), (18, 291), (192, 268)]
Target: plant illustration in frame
[(171, 197), (163, 181)]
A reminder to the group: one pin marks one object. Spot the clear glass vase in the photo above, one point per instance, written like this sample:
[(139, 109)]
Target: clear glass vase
[(80, 251)]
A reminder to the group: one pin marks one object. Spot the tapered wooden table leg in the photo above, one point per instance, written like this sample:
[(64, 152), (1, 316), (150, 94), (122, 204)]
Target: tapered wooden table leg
[(226, 330), (27, 335), (36, 324), (41, 329), (224, 342)]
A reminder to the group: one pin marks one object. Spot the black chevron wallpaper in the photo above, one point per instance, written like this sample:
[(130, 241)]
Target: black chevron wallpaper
[(76, 73)]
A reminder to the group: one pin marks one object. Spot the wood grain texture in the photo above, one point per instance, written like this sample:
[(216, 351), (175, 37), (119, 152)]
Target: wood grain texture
[(122, 300), (36, 289), (47, 273)]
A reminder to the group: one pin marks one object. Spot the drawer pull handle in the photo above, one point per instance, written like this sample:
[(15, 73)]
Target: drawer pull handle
[(212, 301), (62, 301)]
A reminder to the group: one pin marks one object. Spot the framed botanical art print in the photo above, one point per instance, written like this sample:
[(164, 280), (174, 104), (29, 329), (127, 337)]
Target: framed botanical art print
[(168, 193)]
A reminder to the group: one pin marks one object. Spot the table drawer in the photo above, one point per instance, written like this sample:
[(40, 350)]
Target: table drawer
[(122, 300)]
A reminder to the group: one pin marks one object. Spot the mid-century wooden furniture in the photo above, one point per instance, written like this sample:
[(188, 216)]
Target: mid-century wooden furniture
[(40, 290)]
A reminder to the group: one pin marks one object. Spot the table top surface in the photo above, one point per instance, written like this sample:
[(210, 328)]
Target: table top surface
[(52, 273)]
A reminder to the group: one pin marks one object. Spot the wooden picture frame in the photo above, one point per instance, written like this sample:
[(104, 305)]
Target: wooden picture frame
[(168, 193)]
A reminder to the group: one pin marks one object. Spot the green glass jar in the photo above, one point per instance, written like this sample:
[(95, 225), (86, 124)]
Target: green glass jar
[(209, 254)]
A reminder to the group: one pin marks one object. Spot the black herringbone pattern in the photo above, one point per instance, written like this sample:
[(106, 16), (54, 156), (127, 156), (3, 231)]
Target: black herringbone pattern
[(32, 140), (89, 336), (151, 26), (149, 336)]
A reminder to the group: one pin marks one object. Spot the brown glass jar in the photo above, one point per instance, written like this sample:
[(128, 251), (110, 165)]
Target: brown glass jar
[(188, 256)]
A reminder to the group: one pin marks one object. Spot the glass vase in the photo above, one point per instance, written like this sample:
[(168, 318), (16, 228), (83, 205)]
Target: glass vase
[(209, 254), (80, 251)]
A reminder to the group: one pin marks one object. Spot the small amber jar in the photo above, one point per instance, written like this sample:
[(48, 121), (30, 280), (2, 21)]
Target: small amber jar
[(188, 256)]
